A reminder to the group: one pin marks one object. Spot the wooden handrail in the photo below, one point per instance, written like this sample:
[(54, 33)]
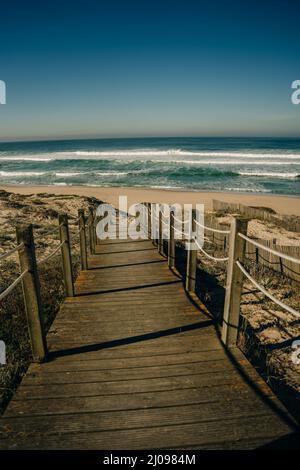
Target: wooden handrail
[(160, 234), (31, 293), (91, 231), (66, 254), (171, 244), (269, 250), (191, 266), (29, 276), (82, 240), (234, 283)]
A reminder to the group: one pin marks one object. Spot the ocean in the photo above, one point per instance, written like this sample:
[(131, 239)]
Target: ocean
[(217, 164)]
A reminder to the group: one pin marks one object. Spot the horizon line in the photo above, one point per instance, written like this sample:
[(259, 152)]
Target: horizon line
[(62, 139)]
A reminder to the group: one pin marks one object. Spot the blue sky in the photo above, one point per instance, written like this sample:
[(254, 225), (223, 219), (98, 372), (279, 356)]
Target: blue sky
[(149, 68)]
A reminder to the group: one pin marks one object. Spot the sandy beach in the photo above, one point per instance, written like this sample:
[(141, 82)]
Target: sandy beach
[(288, 205)]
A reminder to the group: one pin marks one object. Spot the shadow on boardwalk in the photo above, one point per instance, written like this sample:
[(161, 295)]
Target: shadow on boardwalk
[(135, 363)]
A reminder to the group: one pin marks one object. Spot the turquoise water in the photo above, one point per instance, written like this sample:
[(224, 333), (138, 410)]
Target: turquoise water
[(222, 164)]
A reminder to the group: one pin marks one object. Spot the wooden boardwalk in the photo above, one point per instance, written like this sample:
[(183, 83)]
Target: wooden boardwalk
[(136, 364)]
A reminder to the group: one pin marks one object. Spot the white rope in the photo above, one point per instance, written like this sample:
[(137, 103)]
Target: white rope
[(13, 285), (210, 228), (179, 231), (47, 258), (266, 293), (270, 250), (208, 255), (49, 232), (11, 252), (180, 221)]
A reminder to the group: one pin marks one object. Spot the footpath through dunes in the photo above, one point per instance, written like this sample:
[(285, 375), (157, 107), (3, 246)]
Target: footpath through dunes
[(136, 364)]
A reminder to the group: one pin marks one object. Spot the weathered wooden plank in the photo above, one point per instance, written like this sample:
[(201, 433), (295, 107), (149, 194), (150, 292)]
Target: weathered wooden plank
[(218, 379), (182, 342), (138, 351), (188, 394), (128, 374), (131, 419), (132, 362), (213, 433)]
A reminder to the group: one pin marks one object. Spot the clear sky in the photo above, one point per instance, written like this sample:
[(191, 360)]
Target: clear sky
[(137, 68)]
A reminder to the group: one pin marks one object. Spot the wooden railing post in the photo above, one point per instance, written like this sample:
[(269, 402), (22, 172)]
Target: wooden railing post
[(66, 254), (191, 267), (144, 219), (234, 282), (94, 226), (91, 231), (160, 233), (82, 240), (153, 223), (171, 243), (31, 293), (149, 219)]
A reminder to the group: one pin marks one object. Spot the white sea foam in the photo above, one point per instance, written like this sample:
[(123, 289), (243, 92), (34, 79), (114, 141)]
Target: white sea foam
[(22, 173), (233, 162), (166, 187), (25, 158), (137, 154), (271, 174), (248, 190), (151, 153), (69, 174), (112, 173), (125, 153)]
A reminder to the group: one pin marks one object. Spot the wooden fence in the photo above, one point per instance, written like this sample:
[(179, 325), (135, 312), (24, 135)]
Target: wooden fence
[(289, 222), (260, 256)]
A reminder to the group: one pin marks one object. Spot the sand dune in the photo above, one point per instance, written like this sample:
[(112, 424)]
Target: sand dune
[(288, 205)]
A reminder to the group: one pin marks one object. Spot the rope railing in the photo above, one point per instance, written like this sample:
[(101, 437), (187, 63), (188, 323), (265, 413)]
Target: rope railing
[(26, 250), (13, 285), (50, 232), (213, 258), (210, 229), (51, 255), (235, 246), (180, 221), (207, 240), (179, 231), (265, 291), (268, 249), (11, 252)]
